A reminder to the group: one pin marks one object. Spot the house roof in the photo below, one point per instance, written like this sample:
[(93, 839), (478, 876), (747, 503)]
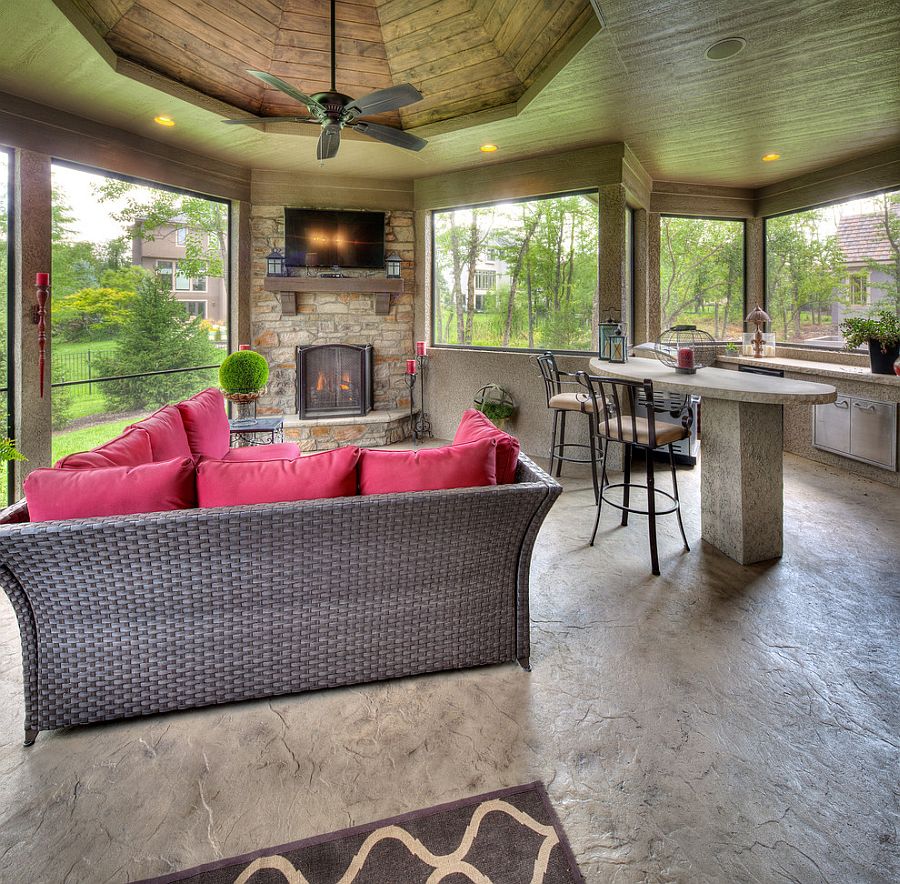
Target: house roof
[(862, 238)]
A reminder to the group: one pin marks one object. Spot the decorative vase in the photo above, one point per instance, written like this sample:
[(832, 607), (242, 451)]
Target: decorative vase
[(244, 406), (883, 362)]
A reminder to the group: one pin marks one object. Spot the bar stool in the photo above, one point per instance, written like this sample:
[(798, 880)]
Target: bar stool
[(565, 394), (615, 423)]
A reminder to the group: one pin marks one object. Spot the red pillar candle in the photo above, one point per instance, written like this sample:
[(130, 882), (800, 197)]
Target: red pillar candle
[(685, 357), (420, 348), (410, 366), (42, 279), (243, 346)]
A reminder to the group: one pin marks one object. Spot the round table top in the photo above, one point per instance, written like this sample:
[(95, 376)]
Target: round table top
[(717, 383)]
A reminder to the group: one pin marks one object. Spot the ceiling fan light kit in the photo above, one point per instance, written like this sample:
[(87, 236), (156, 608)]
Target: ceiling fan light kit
[(334, 111)]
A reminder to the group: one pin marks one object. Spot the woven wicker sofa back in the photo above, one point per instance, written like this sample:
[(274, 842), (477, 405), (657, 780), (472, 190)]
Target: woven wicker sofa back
[(135, 615)]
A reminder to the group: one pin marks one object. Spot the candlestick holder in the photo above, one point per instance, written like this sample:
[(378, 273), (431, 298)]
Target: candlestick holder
[(423, 421), (410, 380), (39, 318)]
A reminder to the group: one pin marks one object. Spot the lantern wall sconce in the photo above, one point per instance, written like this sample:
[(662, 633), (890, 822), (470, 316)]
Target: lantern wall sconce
[(759, 318), (275, 263), (392, 266)]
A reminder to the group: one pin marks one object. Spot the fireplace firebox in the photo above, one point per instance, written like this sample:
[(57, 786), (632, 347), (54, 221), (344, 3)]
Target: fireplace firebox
[(334, 380)]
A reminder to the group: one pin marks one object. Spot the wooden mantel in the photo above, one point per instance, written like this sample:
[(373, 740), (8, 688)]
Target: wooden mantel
[(289, 286)]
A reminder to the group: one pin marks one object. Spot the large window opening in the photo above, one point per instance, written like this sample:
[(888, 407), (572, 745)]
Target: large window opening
[(701, 267), (129, 332), (518, 275), (827, 263)]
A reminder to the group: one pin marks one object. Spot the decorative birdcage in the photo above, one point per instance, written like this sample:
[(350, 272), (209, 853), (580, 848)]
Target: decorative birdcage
[(685, 348), (495, 403)]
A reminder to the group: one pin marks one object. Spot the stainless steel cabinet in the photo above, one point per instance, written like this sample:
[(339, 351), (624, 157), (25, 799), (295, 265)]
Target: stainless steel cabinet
[(862, 429)]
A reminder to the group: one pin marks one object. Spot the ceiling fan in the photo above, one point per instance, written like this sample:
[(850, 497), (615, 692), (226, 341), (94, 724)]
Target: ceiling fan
[(333, 110)]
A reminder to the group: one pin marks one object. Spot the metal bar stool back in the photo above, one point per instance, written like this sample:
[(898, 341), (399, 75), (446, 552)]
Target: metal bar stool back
[(617, 421), (564, 393)]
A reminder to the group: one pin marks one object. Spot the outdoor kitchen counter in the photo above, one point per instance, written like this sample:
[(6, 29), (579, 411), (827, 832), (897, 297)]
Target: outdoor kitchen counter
[(741, 480), (816, 369)]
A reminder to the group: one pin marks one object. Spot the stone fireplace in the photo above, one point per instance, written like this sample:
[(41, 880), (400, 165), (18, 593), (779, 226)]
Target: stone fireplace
[(334, 380), (355, 311)]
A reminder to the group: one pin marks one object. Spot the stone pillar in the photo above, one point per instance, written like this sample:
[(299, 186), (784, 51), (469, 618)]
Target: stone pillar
[(641, 330), (32, 233), (241, 273), (612, 272), (654, 310), (741, 480), (755, 263)]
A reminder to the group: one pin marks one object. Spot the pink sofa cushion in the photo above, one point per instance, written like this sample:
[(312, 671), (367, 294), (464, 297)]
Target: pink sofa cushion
[(238, 483), (110, 491), (206, 423), (277, 451), (432, 469), (130, 449), (474, 425), (166, 431)]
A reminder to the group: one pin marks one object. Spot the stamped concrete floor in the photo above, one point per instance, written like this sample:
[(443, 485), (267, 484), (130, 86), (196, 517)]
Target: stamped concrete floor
[(719, 723)]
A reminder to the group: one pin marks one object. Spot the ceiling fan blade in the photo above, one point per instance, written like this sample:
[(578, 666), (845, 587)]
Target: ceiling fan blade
[(287, 89), (250, 121), (390, 136), (329, 142), (382, 100)]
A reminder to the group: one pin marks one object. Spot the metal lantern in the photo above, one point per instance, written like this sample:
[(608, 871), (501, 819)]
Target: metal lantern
[(275, 263), (608, 328), (392, 266), (685, 348), (618, 346)]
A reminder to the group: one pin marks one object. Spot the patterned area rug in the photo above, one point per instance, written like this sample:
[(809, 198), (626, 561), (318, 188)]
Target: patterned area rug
[(508, 837)]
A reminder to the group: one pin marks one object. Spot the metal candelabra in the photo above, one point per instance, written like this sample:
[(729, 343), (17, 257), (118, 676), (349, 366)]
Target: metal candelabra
[(422, 428), (410, 380)]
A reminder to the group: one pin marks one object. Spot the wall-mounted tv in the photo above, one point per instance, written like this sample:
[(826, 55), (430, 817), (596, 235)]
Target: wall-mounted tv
[(319, 238)]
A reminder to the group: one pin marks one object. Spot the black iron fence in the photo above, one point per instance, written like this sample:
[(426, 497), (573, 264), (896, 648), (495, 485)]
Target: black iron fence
[(79, 370)]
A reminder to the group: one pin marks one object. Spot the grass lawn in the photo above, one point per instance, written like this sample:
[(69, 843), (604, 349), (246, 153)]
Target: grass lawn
[(69, 441)]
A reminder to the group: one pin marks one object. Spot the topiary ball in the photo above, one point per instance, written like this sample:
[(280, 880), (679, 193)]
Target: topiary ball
[(243, 372)]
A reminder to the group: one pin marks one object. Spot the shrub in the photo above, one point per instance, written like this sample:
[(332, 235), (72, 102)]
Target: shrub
[(883, 327), (243, 372)]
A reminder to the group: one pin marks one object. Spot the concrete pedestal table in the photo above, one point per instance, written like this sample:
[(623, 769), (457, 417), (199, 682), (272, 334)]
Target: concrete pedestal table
[(741, 479)]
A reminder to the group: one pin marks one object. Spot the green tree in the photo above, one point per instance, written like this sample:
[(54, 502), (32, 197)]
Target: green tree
[(888, 212), (157, 334), (91, 314)]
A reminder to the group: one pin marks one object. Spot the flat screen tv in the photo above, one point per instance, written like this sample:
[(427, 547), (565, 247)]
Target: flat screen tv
[(319, 238)]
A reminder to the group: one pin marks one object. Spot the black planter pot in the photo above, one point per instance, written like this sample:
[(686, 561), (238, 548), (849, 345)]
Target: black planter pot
[(883, 363)]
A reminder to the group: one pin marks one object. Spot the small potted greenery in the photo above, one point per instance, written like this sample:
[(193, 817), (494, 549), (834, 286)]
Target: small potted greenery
[(881, 331), (242, 377), (495, 404)]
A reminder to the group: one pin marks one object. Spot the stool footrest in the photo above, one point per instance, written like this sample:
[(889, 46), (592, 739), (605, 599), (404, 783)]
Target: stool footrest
[(630, 509)]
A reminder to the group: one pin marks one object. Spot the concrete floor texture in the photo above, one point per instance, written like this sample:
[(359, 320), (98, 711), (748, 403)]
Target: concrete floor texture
[(718, 723)]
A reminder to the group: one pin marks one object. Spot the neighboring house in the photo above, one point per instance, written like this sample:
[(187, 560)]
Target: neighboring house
[(862, 239), (204, 296), (491, 273)]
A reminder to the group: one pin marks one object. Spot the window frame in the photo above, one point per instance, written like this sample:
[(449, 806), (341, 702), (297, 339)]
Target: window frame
[(803, 345), (745, 310), (433, 270), (11, 219), (203, 301), (180, 236)]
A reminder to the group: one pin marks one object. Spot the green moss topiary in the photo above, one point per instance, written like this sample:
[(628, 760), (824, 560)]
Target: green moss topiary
[(243, 372)]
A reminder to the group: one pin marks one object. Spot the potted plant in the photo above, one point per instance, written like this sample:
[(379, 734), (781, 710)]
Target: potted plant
[(495, 404), (881, 332), (242, 377)]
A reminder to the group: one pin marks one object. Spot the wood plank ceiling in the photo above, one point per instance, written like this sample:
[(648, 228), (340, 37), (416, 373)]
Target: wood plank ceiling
[(464, 56)]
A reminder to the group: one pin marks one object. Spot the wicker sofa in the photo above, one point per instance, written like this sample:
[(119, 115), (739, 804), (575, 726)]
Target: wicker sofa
[(133, 615)]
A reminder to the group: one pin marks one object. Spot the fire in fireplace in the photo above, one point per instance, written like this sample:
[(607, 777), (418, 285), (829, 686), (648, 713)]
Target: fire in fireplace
[(334, 380)]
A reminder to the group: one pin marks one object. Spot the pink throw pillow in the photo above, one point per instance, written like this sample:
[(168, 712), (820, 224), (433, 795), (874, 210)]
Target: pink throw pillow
[(110, 491), (166, 431), (474, 425), (206, 423), (432, 469), (238, 483), (129, 449)]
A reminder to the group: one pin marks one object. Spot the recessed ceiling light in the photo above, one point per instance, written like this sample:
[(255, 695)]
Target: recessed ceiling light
[(726, 48), (164, 121), (488, 148), (771, 157)]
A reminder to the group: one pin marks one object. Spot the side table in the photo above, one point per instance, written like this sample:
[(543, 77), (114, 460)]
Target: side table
[(261, 431)]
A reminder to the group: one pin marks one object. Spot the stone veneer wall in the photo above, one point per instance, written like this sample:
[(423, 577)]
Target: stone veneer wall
[(331, 318)]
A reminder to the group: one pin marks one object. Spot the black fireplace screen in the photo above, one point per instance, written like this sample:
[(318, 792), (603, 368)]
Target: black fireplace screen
[(334, 379)]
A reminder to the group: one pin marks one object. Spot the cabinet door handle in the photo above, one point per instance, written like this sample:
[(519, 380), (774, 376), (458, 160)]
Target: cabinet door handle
[(864, 407), (844, 404)]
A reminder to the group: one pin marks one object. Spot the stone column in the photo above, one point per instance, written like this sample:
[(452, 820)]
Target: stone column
[(241, 273), (741, 480), (654, 309), (641, 330), (32, 233), (612, 273), (755, 262)]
